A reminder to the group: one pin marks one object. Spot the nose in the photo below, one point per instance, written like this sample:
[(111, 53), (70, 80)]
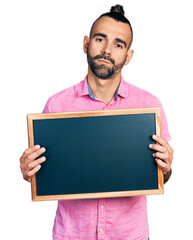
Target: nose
[(106, 49)]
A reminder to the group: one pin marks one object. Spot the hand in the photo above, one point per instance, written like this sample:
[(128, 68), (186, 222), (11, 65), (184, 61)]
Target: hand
[(29, 164), (163, 155)]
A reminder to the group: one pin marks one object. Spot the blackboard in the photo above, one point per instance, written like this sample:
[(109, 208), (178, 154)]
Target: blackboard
[(96, 154)]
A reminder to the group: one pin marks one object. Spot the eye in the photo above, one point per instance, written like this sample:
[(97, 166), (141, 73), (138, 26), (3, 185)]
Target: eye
[(119, 45), (99, 39)]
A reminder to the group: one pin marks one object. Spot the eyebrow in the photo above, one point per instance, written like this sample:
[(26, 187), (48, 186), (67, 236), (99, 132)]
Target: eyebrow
[(100, 34), (122, 41), (104, 35)]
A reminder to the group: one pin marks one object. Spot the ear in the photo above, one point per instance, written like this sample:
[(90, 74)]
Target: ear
[(129, 56), (85, 43)]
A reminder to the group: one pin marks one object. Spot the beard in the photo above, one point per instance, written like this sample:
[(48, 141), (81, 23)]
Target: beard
[(102, 71)]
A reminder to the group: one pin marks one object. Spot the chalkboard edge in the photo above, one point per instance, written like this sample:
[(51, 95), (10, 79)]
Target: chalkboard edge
[(159, 133), (31, 144), (99, 195), (108, 112)]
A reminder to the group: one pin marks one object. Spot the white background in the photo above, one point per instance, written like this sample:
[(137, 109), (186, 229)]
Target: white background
[(41, 53)]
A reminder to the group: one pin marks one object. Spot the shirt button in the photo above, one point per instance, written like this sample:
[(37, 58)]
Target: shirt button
[(101, 207), (100, 229)]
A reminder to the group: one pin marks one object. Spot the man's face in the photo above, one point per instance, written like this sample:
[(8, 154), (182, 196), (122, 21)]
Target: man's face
[(108, 47)]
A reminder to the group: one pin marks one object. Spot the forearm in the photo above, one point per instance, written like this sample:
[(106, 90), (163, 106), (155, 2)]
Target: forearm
[(167, 176)]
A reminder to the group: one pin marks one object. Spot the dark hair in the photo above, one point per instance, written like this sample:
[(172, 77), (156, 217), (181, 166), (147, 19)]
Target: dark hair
[(118, 14)]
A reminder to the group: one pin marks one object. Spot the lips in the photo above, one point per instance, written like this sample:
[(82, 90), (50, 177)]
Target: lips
[(104, 61)]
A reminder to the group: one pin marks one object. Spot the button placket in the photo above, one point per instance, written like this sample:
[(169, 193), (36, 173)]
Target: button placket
[(109, 106), (101, 219)]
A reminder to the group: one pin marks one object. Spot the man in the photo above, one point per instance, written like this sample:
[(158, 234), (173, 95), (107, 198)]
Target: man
[(108, 50)]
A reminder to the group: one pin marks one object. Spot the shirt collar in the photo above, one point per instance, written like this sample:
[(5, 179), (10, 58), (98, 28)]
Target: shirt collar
[(122, 89), (90, 93), (83, 90)]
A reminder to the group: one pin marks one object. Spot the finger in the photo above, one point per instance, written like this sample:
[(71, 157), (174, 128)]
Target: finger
[(35, 155), (35, 163), (30, 158), (33, 171), (162, 156), (162, 142), (29, 151), (164, 166), (157, 148), (33, 168), (25, 177)]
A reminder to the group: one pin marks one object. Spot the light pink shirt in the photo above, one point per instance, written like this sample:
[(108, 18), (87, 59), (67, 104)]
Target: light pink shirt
[(111, 218)]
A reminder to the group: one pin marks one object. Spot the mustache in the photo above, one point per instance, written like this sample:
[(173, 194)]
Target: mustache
[(105, 58)]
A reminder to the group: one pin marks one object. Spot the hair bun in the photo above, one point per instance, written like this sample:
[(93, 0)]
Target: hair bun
[(118, 9)]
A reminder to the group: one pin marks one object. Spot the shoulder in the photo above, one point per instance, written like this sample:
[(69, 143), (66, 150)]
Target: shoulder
[(61, 97), (140, 95)]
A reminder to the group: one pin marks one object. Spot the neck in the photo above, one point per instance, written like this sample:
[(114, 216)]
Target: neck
[(103, 89)]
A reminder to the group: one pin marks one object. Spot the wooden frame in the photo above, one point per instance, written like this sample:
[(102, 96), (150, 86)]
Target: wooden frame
[(83, 114)]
